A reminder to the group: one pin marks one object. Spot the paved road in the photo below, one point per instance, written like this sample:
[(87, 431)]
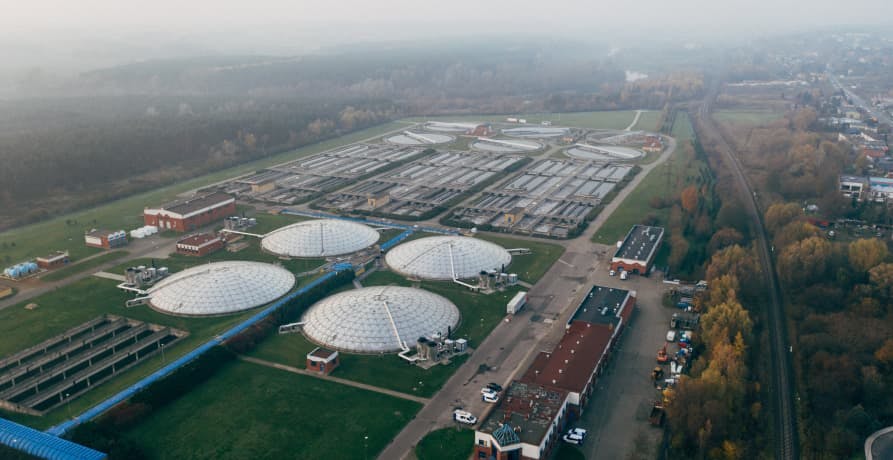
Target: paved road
[(364, 386), (858, 101), (635, 120), (512, 345), (782, 385)]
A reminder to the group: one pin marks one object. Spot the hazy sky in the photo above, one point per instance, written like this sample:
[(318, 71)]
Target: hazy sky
[(66, 28)]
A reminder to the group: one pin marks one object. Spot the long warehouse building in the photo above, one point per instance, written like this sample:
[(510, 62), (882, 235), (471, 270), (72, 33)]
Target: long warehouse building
[(192, 213)]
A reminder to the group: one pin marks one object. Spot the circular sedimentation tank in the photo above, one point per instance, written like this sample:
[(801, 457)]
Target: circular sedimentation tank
[(220, 288), (319, 238), (378, 319), (447, 257)]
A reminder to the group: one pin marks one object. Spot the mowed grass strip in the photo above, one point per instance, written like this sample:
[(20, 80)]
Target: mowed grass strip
[(452, 443), (665, 181), (75, 267), (67, 231), (252, 411)]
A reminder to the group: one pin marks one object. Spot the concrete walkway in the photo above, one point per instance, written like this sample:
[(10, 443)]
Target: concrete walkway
[(110, 276), (351, 383)]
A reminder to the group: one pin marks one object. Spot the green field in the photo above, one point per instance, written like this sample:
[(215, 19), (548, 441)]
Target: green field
[(446, 444), (82, 301), (78, 267), (530, 267), (67, 231), (248, 411), (666, 180), (747, 117), (611, 119), (648, 121)]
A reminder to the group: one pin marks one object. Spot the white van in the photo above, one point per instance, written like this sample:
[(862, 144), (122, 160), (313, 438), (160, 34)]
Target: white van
[(671, 336), (624, 275), (465, 417)]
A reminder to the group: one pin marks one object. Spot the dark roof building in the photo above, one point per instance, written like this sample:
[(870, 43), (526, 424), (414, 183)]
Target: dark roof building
[(637, 251), (525, 424)]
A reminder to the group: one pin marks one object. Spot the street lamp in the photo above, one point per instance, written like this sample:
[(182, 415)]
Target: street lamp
[(68, 403), (162, 354)]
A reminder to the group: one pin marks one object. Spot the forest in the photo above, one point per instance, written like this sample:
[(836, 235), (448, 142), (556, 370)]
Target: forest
[(117, 131)]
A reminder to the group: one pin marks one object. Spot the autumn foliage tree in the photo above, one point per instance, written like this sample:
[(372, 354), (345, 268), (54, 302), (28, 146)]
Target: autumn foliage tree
[(780, 214), (689, 199), (804, 262), (867, 253)]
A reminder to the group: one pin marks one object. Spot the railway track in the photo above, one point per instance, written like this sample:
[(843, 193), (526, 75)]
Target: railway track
[(782, 385)]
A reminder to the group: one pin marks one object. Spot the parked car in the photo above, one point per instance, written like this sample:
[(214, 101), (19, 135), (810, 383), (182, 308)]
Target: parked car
[(624, 275), (577, 432), (465, 417), (612, 273), (671, 336), (491, 397), (495, 387), (572, 439)]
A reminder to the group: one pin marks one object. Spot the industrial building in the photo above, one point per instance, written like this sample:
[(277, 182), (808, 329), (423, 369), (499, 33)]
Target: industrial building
[(379, 319), (447, 258), (219, 288), (416, 138), (199, 245), (105, 239), (525, 425), (575, 364), (855, 187), (192, 213), (55, 260), (486, 144), (549, 198), (637, 251), (554, 390), (319, 238)]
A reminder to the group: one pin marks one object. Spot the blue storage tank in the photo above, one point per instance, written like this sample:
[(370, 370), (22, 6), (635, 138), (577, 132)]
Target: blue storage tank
[(32, 267)]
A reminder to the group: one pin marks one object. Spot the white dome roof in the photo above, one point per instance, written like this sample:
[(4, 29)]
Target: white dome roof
[(441, 257), (220, 288), (361, 320), (319, 238)]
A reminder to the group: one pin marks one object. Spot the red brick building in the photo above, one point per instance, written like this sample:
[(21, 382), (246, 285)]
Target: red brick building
[(637, 251), (190, 214), (322, 360), (105, 239), (60, 258), (199, 245)]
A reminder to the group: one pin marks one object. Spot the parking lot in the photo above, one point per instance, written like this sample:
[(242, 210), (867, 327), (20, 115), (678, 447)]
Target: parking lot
[(548, 198)]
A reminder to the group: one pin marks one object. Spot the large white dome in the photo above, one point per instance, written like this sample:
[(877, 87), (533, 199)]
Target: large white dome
[(319, 238), (446, 257), (378, 319), (220, 288)]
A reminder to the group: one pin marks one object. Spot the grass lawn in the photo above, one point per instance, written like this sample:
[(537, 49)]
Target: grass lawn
[(67, 231), (530, 267), (84, 300), (745, 117), (75, 268), (648, 120), (666, 180), (251, 411), (446, 444), (610, 119), (480, 314), (267, 222)]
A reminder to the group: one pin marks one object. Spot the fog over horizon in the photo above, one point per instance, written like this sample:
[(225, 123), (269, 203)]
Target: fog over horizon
[(52, 34)]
